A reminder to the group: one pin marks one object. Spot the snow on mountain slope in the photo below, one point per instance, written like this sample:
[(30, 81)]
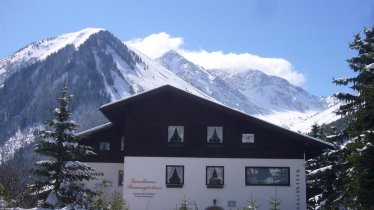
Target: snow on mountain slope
[(19, 140), (302, 122), (273, 92), (270, 98), (291, 106), (144, 75), (40, 50), (151, 74), (99, 70), (209, 84)]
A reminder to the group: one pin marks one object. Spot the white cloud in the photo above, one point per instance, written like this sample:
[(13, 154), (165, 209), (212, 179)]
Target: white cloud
[(156, 45)]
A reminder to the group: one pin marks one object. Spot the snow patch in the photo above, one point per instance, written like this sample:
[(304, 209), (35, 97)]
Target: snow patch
[(52, 198), (370, 66), (302, 121), (20, 140), (70, 144), (323, 169)]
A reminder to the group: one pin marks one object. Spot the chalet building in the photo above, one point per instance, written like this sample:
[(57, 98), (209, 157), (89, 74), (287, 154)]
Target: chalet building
[(167, 145)]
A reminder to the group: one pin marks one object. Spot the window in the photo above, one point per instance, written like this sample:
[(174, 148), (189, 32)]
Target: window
[(120, 178), (272, 176), (175, 134), (174, 176), (104, 146), (215, 135), (248, 138), (214, 176)]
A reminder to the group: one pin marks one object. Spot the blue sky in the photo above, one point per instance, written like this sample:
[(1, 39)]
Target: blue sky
[(309, 38)]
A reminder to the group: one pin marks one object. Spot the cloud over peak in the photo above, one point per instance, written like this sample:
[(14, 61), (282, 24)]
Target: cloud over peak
[(155, 45)]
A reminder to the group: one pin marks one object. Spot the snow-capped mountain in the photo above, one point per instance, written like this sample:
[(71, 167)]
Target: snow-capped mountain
[(40, 50), (270, 98), (272, 92), (210, 84), (99, 68)]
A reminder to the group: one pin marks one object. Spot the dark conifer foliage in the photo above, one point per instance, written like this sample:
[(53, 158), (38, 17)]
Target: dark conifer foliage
[(326, 173), (344, 176), (360, 104), (61, 175)]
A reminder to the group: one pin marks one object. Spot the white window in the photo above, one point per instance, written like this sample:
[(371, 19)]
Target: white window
[(248, 138), (215, 135), (214, 176), (174, 176), (175, 134)]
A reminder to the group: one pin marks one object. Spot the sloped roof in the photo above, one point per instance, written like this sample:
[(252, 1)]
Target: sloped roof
[(111, 110)]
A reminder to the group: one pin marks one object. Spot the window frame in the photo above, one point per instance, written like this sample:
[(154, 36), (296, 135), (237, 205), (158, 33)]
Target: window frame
[(173, 185), (180, 135), (207, 178), (267, 167), (250, 136), (101, 147), (219, 133)]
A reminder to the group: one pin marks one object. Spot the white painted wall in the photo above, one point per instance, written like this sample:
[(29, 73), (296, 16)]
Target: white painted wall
[(107, 171), (159, 197)]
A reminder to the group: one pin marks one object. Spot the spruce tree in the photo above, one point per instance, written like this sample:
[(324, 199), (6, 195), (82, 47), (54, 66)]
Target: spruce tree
[(60, 178), (317, 132), (360, 103), (326, 175), (275, 202), (252, 204)]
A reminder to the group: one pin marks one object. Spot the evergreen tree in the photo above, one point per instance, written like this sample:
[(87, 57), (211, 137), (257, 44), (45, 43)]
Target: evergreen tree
[(275, 202), (61, 177), (360, 104), (326, 175), (252, 204), (103, 199), (317, 132), (186, 204)]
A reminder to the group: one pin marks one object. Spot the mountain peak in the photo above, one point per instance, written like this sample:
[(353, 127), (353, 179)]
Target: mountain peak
[(40, 50), (171, 55)]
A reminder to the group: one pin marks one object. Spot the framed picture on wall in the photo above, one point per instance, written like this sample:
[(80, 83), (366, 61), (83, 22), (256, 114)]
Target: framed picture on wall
[(174, 176), (272, 176), (214, 176), (176, 134), (215, 134)]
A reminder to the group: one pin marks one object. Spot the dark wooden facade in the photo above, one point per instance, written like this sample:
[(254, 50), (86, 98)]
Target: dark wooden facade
[(143, 121)]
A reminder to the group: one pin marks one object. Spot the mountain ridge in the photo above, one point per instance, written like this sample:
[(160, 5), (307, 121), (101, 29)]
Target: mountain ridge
[(248, 84), (39, 50)]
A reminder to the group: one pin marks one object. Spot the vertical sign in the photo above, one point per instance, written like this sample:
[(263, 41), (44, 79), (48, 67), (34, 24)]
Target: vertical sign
[(297, 189)]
